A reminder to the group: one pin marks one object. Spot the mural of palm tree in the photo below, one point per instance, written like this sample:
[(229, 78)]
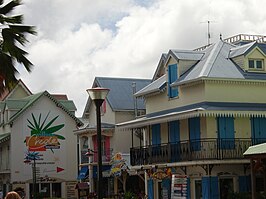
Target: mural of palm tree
[(43, 130), (39, 128)]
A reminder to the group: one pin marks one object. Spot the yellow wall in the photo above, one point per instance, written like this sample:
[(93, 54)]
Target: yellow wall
[(235, 92), (187, 95)]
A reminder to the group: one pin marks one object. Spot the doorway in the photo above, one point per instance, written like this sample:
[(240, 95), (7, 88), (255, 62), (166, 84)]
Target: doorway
[(226, 187)]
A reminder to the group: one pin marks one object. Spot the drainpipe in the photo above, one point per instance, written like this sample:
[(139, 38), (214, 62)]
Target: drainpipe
[(135, 99)]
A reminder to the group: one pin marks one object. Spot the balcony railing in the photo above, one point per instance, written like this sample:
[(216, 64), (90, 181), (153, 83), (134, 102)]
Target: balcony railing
[(106, 156), (204, 149)]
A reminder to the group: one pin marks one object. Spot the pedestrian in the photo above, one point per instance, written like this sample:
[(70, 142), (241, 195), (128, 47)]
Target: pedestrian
[(12, 195), (20, 192)]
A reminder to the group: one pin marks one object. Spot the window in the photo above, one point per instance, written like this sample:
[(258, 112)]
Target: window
[(255, 64)]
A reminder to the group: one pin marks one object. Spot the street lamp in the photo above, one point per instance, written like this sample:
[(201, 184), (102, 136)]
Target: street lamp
[(98, 95)]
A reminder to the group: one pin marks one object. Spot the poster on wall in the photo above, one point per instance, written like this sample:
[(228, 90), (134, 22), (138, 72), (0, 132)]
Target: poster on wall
[(44, 141), (179, 189)]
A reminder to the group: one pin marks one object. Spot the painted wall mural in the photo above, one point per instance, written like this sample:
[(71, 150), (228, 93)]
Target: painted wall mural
[(44, 132)]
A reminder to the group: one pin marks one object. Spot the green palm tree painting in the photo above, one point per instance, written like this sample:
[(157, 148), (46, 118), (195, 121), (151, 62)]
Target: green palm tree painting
[(44, 128)]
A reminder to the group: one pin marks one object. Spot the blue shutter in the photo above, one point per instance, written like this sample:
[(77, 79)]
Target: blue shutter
[(156, 140), (166, 184), (156, 134), (174, 131), (205, 187), (244, 184), (194, 133), (150, 189), (258, 129), (214, 188), (210, 187), (172, 77), (174, 139), (226, 132), (188, 188)]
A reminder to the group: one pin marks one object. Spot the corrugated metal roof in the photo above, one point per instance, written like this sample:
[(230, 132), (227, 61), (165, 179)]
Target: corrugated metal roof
[(258, 149), (240, 50), (156, 86), (33, 98), (68, 104), (187, 54), (120, 96), (199, 109), (214, 64), (15, 104)]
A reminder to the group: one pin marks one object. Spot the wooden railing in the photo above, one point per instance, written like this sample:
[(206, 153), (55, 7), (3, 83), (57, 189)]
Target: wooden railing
[(204, 149)]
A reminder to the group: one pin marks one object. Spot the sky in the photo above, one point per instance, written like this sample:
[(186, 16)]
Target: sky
[(83, 39)]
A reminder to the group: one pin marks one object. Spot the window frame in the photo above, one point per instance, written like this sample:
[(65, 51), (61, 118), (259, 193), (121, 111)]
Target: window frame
[(255, 65)]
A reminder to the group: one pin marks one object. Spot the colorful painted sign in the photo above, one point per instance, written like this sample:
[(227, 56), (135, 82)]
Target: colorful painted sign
[(118, 164), (43, 135)]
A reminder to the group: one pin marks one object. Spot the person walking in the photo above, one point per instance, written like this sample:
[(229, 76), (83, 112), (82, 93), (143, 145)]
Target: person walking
[(12, 195)]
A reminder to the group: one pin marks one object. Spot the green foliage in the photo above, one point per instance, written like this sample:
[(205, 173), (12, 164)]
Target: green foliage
[(130, 195), (12, 33)]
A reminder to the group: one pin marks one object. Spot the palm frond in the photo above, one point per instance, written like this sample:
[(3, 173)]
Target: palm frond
[(13, 20), (45, 120), (9, 7), (37, 127), (54, 128), (50, 123)]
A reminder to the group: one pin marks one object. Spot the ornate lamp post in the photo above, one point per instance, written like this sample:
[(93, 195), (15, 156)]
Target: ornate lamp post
[(98, 95)]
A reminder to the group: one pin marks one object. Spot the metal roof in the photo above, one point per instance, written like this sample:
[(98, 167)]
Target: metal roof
[(214, 64), (240, 50), (259, 149), (120, 96), (156, 86), (214, 109), (187, 54), (33, 98)]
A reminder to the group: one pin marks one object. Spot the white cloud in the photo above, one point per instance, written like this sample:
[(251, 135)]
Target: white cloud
[(121, 38)]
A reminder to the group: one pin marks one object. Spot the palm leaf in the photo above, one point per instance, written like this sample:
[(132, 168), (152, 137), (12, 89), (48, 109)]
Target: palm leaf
[(44, 120), (9, 7), (14, 19), (39, 120), (50, 123), (54, 129), (60, 137), (31, 124), (35, 122)]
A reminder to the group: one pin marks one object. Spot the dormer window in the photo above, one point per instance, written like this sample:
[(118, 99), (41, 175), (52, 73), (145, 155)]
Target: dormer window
[(255, 64)]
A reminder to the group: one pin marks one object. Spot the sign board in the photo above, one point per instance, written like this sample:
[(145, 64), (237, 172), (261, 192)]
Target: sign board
[(179, 189)]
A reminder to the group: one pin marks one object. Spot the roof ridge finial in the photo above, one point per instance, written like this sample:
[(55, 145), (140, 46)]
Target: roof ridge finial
[(221, 38)]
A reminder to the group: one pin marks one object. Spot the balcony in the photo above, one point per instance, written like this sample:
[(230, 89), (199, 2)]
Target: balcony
[(106, 156), (204, 149)]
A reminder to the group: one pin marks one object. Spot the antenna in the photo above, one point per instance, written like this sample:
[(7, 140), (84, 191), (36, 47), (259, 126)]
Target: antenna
[(208, 31)]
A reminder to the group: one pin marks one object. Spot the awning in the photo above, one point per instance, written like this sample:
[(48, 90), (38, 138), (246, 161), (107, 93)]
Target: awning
[(144, 121), (83, 173), (256, 150), (202, 109), (4, 137)]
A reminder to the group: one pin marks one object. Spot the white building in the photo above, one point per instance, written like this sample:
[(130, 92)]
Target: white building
[(41, 123)]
